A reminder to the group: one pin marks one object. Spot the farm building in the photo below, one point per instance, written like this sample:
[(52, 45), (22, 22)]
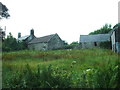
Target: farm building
[(115, 39), (46, 43), (26, 38), (93, 41)]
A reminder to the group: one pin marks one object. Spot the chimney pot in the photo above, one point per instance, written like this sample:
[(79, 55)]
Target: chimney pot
[(19, 35), (32, 32)]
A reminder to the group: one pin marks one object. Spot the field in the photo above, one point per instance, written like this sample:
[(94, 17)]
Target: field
[(87, 68)]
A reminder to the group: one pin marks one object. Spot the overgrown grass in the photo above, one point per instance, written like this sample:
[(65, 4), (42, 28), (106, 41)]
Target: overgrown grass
[(94, 68)]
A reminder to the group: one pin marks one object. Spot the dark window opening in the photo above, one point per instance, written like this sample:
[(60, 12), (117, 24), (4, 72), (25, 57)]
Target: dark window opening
[(44, 46), (95, 43)]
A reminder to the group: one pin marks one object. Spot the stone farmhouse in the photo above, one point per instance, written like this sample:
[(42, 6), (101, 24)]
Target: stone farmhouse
[(93, 41), (48, 42)]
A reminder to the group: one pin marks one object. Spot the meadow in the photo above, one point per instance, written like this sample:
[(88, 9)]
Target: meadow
[(85, 68)]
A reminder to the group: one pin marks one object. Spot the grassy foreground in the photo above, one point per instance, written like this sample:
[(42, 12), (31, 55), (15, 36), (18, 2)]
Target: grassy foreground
[(88, 68)]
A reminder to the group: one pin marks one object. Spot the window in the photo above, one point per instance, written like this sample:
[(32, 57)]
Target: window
[(95, 43), (44, 46)]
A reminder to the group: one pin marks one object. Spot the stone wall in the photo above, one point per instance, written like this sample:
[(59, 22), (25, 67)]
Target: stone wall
[(113, 41), (115, 38), (90, 44), (55, 43), (38, 46)]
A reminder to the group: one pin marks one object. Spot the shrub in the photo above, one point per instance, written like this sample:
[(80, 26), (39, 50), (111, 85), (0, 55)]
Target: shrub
[(106, 77), (106, 45), (42, 78), (11, 44)]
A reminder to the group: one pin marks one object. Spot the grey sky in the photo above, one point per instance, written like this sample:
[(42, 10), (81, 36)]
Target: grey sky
[(68, 18)]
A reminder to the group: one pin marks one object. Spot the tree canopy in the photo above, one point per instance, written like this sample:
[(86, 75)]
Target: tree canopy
[(105, 29), (117, 25), (12, 44), (74, 43), (4, 11)]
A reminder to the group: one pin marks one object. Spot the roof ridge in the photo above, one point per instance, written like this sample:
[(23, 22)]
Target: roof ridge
[(24, 36), (97, 37), (45, 36), (42, 39), (51, 37), (95, 34)]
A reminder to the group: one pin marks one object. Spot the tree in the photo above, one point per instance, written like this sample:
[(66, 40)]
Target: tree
[(65, 43), (105, 29), (74, 43), (117, 25), (11, 44), (4, 11), (3, 14)]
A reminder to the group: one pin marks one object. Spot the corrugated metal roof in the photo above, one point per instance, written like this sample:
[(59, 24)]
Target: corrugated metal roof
[(42, 39), (95, 38), (23, 37)]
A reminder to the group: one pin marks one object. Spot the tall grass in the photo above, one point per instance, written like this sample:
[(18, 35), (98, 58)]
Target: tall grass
[(41, 78), (95, 68)]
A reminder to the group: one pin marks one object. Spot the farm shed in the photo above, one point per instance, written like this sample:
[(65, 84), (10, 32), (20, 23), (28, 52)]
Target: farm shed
[(48, 42), (115, 39), (93, 41)]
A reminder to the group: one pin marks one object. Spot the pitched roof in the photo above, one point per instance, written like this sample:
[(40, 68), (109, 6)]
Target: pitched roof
[(42, 39), (95, 38), (23, 37), (114, 29)]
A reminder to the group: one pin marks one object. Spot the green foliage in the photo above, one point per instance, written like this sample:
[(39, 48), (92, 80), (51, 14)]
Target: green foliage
[(107, 77), (94, 68), (106, 45), (117, 25), (65, 43), (42, 78), (4, 13), (11, 44), (105, 29), (74, 43)]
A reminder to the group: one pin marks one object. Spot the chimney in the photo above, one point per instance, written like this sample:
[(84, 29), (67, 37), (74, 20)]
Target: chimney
[(32, 32), (19, 35)]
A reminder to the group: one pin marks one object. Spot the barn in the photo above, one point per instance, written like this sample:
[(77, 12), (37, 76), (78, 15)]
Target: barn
[(115, 38), (93, 41), (48, 42)]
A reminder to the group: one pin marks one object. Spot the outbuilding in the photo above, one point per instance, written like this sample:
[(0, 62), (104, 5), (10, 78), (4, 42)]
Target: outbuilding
[(115, 38), (93, 41)]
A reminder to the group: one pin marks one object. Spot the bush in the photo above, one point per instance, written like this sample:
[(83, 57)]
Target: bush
[(106, 45), (100, 78), (42, 78), (11, 44)]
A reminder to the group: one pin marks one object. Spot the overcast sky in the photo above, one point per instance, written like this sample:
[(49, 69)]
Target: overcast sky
[(68, 18)]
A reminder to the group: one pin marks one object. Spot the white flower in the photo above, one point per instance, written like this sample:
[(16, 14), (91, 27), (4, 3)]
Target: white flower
[(88, 70)]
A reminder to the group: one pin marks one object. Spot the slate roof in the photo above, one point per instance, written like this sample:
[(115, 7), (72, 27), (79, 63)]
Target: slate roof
[(95, 38), (43, 39), (116, 27), (112, 30), (23, 37)]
